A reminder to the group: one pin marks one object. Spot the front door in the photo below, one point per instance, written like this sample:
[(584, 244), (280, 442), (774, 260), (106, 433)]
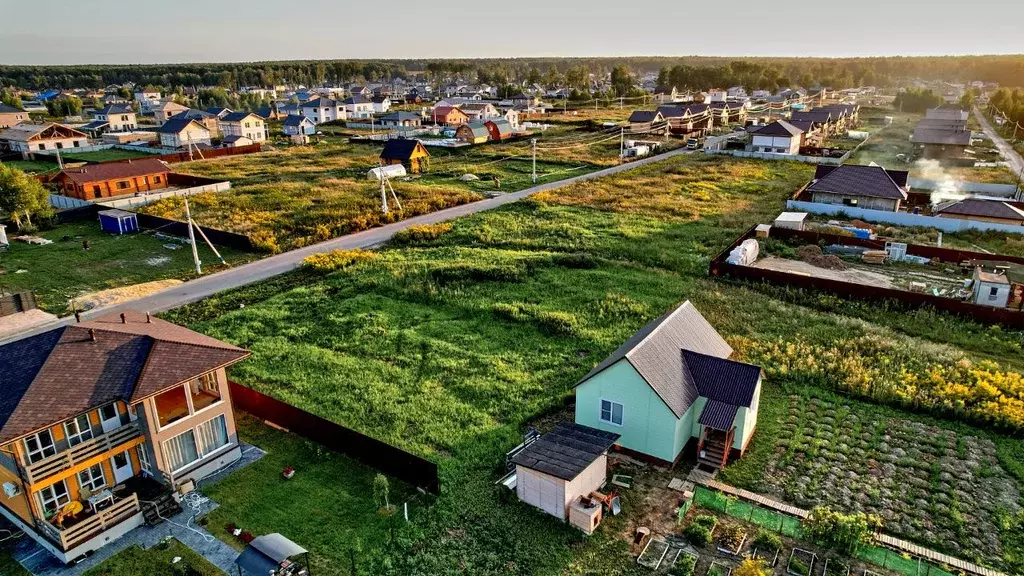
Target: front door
[(109, 418), (122, 465)]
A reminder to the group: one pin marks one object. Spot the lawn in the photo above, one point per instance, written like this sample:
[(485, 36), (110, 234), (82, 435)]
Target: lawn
[(156, 561), (449, 347), (31, 166), (107, 155), (64, 270)]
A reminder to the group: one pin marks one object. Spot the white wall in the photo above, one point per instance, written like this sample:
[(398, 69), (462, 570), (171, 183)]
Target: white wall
[(788, 145), (901, 218)]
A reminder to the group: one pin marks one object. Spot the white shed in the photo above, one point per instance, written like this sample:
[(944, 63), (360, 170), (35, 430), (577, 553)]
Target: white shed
[(564, 464), (991, 289), (791, 220), (389, 171)]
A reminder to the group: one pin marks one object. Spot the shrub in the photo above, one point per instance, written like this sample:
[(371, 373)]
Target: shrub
[(798, 566), (698, 535), (751, 567), (732, 536), (337, 259), (766, 540), (841, 531), (706, 520), (684, 565), (264, 241), (421, 234)]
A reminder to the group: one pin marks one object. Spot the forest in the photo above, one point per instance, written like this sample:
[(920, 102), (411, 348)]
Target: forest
[(689, 71)]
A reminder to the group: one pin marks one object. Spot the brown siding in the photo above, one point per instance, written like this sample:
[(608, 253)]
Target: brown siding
[(110, 188)]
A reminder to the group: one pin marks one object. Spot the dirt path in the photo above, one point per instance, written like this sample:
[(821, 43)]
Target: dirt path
[(1009, 154)]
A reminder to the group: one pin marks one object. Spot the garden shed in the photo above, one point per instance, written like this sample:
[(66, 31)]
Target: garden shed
[(272, 554), (564, 464), (473, 133), (407, 152), (118, 221)]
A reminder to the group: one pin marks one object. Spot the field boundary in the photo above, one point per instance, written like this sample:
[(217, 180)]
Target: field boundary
[(902, 218), (369, 451)]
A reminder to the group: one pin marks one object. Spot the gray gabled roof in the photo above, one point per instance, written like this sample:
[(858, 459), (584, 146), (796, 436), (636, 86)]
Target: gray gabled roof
[(981, 208), (655, 353), (856, 180), (779, 128)]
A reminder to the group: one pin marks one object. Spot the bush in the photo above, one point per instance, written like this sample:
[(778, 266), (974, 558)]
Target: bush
[(732, 536), (751, 567), (841, 531), (706, 520), (698, 535), (264, 241), (337, 259), (421, 234), (684, 565), (766, 540)]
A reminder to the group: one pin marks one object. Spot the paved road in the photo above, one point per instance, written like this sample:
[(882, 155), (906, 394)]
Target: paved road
[(207, 286), (1011, 155)]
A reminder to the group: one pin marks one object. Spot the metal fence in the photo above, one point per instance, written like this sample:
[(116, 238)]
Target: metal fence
[(392, 461), (902, 218)]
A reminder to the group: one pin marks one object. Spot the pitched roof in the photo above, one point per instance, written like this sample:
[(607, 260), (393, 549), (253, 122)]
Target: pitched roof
[(115, 109), (399, 149), (218, 110), (175, 125), (946, 113), (237, 116), (5, 109), (928, 135), (566, 451), (979, 207), (654, 352), (94, 125), (644, 116), (718, 415), (816, 116), (58, 374), (115, 170), (779, 128), (857, 180), (296, 120), (900, 177), (357, 99), (992, 277), (400, 116), (192, 114), (26, 131), (478, 129), (234, 138), (721, 379), (321, 102)]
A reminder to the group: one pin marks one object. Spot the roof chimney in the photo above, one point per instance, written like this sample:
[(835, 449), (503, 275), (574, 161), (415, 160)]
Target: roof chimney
[(92, 335), (124, 318), (149, 320), (78, 317)]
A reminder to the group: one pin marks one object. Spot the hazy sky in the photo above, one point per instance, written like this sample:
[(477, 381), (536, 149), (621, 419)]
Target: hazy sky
[(151, 31)]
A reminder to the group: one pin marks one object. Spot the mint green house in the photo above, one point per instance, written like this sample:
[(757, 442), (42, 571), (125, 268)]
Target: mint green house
[(672, 386)]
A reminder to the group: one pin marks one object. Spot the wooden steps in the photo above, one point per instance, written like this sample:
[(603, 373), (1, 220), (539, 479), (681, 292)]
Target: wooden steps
[(159, 509)]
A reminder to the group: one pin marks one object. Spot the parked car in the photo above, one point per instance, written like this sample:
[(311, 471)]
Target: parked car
[(692, 144)]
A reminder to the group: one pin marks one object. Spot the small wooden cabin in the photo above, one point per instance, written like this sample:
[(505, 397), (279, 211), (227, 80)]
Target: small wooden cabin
[(408, 152)]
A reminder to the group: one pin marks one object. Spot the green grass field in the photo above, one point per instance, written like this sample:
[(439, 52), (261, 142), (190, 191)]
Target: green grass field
[(108, 155), (63, 270), (156, 561), (32, 166), (450, 347)]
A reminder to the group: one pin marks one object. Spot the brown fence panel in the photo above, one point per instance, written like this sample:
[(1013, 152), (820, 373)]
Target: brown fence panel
[(392, 461), (176, 228), (17, 302), (210, 153)]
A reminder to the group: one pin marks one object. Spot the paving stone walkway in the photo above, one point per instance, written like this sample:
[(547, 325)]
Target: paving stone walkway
[(38, 561)]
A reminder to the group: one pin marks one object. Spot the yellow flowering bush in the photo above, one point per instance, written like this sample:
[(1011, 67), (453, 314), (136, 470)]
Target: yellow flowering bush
[(337, 259), (895, 373)]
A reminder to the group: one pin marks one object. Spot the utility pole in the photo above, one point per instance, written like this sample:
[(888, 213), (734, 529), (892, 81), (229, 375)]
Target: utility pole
[(533, 143), (192, 238), (383, 192), (622, 143), (620, 102), (60, 162)]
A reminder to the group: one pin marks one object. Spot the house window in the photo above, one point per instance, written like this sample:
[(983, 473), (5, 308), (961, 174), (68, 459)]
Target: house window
[(611, 412), (54, 496), (39, 446), (156, 179), (180, 451), (92, 478), (42, 146), (992, 292), (205, 391), (144, 458), (60, 145), (108, 412), (77, 143), (849, 201), (122, 185), (212, 435), (78, 429)]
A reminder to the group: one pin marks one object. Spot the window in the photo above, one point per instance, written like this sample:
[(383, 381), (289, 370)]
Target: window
[(156, 179), (212, 435), (78, 429), (611, 412), (77, 144), (92, 478), (108, 412), (54, 496), (180, 451), (171, 406), (122, 185), (992, 292), (849, 201), (42, 146), (144, 458), (205, 391), (39, 446), (60, 145)]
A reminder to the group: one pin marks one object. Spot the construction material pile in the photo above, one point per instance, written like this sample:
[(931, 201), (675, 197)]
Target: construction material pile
[(874, 256), (813, 255)]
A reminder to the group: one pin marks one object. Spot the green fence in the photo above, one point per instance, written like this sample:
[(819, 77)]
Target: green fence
[(790, 526)]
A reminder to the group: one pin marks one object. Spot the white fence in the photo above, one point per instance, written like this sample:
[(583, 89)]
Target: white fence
[(1007, 190), (773, 156), (144, 199), (101, 147), (901, 218)]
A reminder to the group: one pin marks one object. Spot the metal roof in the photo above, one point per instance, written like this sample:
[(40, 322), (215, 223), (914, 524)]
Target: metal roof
[(721, 379), (718, 415), (779, 128), (983, 208), (857, 180), (566, 451), (277, 547)]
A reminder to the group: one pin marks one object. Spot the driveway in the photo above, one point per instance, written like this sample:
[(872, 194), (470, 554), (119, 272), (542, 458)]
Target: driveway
[(207, 286), (1009, 154)]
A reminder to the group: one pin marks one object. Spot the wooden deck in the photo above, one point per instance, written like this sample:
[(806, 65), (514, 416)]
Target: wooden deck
[(707, 480)]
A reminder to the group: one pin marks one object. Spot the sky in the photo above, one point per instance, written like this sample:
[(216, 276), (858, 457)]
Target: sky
[(144, 31)]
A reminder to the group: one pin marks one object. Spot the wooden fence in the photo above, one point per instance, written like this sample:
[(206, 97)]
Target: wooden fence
[(17, 302), (392, 461)]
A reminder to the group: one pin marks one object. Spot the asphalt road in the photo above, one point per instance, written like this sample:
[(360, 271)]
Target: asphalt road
[(271, 266), (1009, 154)]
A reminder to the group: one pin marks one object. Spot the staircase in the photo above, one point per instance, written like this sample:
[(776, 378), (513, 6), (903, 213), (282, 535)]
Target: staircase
[(713, 450), (160, 508)]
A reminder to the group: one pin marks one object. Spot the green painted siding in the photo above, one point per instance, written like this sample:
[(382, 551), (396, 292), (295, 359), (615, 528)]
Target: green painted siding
[(648, 426), (746, 420), (684, 429)]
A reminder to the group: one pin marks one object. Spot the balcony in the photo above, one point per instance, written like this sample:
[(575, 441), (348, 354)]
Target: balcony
[(80, 453), (88, 525)]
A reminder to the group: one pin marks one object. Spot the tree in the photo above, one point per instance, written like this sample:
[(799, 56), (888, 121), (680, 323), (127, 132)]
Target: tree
[(916, 100), (622, 82), (10, 98), (64, 106), (381, 490), (751, 567), (23, 196)]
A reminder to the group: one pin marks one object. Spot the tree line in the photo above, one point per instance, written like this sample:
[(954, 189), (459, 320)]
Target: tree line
[(571, 73)]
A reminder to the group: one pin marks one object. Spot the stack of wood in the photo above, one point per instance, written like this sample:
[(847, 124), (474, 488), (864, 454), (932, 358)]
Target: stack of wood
[(873, 256)]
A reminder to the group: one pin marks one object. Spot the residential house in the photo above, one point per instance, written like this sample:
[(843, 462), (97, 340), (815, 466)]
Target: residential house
[(182, 132), (218, 111), (941, 144), (822, 120), (671, 388), (381, 104), (947, 113), (359, 90), (688, 120), (473, 133), (779, 137), (236, 140), (321, 110), (498, 129), (848, 115), (118, 118), (298, 125), (164, 110), (401, 120), (29, 137), (147, 99), (479, 110), (290, 109), (871, 187), (725, 113), (109, 179), (411, 154), (358, 107), (244, 124), (9, 116), (209, 120), (104, 422), (525, 100), (982, 210), (647, 122), (671, 97), (448, 116), (511, 115)]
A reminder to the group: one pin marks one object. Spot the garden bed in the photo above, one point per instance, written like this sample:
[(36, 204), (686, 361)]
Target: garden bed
[(801, 562), (653, 554)]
